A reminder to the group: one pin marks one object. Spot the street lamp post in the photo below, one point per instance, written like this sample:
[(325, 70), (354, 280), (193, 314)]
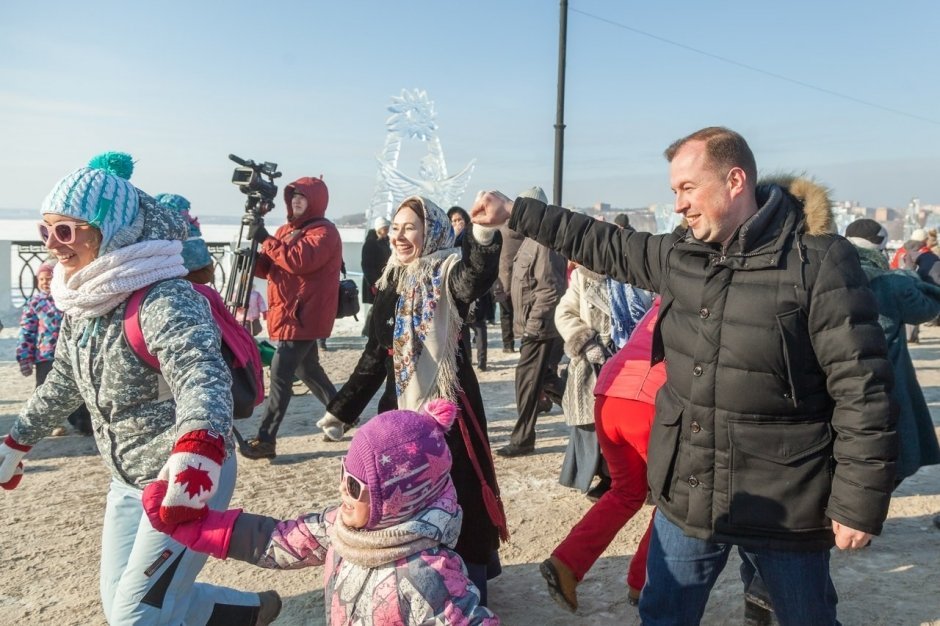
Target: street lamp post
[(560, 107)]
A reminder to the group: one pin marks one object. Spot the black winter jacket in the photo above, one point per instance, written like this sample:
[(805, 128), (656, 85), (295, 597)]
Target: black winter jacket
[(375, 254), (775, 417)]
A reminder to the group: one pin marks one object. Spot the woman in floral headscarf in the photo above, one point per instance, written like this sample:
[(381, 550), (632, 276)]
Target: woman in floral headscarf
[(423, 297)]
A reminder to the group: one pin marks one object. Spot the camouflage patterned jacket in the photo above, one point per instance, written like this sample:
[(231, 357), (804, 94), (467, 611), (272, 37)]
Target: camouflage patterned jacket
[(137, 413)]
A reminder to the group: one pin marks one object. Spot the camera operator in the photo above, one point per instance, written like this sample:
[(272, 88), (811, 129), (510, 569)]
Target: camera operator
[(301, 262)]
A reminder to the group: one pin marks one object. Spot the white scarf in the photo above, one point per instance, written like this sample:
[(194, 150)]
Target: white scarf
[(107, 281)]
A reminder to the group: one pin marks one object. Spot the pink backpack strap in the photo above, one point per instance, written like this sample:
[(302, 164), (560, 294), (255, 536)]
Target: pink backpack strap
[(133, 334)]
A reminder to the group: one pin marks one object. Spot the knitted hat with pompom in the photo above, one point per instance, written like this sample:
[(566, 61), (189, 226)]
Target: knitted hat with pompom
[(101, 195), (403, 458)]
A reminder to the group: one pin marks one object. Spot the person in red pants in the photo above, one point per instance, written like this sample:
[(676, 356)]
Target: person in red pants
[(623, 415)]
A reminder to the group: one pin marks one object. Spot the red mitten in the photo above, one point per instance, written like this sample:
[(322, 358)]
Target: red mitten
[(192, 473), (11, 467), (210, 535)]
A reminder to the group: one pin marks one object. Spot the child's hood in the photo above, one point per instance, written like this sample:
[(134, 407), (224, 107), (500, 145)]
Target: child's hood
[(439, 522)]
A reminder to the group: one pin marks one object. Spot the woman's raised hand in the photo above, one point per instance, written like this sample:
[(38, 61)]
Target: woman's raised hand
[(490, 208)]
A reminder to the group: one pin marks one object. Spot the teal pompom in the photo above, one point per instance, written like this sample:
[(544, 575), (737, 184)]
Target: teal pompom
[(117, 163)]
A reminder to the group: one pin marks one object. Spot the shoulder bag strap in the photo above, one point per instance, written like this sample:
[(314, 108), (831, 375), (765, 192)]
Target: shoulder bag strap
[(491, 499)]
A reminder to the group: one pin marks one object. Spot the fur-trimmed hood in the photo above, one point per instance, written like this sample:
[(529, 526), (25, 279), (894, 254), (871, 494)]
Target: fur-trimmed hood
[(812, 195)]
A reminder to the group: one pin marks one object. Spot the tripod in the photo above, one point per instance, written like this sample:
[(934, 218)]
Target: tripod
[(244, 258), (240, 282)]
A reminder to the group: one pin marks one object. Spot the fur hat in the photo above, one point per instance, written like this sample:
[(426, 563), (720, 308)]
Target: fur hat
[(380, 222), (403, 458), (866, 233), (536, 193), (101, 195)]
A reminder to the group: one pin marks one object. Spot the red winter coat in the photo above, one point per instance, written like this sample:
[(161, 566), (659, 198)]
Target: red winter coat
[(628, 374), (302, 263)]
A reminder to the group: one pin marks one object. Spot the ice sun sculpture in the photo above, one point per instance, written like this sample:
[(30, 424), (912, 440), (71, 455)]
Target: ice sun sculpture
[(412, 117)]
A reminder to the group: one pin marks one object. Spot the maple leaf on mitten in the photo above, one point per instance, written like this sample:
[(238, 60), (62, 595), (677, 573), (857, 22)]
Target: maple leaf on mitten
[(196, 481), (192, 474)]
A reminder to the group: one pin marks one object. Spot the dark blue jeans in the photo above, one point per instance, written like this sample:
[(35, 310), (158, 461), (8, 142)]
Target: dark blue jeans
[(681, 571)]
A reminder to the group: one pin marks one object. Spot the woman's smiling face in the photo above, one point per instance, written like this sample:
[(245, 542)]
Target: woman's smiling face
[(407, 235), (81, 250)]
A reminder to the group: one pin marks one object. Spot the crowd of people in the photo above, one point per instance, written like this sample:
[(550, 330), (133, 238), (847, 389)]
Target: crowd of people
[(748, 374)]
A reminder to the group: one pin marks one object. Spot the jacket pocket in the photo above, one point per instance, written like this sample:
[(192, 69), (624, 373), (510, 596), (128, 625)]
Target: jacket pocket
[(781, 474), (663, 447), (794, 333)]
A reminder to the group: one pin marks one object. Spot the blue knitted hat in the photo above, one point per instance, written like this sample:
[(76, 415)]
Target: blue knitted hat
[(174, 201), (195, 252), (101, 195)]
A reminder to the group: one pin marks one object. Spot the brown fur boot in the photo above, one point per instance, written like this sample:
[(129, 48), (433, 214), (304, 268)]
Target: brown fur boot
[(562, 584)]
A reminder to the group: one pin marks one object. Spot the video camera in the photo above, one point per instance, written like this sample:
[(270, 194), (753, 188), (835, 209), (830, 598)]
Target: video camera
[(257, 182), (250, 180)]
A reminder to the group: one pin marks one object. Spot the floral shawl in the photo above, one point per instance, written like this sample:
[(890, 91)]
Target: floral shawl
[(427, 325)]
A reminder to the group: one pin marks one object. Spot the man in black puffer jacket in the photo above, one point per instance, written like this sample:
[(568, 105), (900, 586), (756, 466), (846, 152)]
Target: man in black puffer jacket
[(774, 431)]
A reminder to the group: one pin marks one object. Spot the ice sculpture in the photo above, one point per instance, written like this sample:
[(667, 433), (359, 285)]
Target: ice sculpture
[(413, 118), (666, 217)]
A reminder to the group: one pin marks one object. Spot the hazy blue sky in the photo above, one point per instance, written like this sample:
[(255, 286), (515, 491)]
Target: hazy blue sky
[(181, 85)]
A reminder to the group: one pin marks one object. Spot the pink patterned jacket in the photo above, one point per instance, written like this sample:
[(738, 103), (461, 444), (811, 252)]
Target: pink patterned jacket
[(427, 587)]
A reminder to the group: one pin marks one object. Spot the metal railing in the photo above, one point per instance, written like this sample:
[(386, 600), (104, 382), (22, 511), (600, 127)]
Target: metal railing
[(32, 254)]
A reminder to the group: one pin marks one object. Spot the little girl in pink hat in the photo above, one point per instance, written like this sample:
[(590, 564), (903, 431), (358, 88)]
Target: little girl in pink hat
[(388, 547)]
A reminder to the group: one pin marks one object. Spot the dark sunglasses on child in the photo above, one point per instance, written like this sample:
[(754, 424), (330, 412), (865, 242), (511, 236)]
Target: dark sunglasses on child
[(352, 485)]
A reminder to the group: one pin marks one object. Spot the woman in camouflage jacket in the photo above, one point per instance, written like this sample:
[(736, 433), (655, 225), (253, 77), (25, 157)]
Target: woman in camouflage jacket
[(110, 240)]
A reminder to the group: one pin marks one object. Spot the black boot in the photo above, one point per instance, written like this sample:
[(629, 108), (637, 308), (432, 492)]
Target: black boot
[(256, 449)]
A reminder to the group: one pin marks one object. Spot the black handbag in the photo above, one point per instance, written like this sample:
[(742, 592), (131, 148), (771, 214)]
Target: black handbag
[(348, 297)]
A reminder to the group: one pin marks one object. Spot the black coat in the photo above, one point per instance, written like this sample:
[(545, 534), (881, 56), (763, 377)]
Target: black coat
[(375, 254), (471, 278), (775, 417)]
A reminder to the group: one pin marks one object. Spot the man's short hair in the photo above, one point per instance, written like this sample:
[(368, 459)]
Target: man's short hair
[(622, 220), (725, 149)]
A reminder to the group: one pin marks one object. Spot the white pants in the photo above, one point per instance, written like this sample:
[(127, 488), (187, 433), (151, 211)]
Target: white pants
[(148, 578)]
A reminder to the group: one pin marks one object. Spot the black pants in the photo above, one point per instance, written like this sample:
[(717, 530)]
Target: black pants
[(505, 323), (80, 418), (299, 358), (532, 373), (479, 340)]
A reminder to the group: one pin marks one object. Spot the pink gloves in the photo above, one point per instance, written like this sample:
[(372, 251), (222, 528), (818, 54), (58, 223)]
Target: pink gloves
[(11, 466), (210, 535), (191, 475)]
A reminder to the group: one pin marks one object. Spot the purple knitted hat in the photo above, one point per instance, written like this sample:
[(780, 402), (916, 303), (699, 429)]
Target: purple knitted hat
[(403, 458)]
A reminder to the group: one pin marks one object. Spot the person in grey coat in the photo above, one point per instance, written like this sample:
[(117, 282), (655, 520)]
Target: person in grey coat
[(538, 282), (501, 288), (111, 240)]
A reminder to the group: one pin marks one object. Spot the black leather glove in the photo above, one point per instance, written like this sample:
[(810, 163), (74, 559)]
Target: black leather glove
[(258, 232)]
